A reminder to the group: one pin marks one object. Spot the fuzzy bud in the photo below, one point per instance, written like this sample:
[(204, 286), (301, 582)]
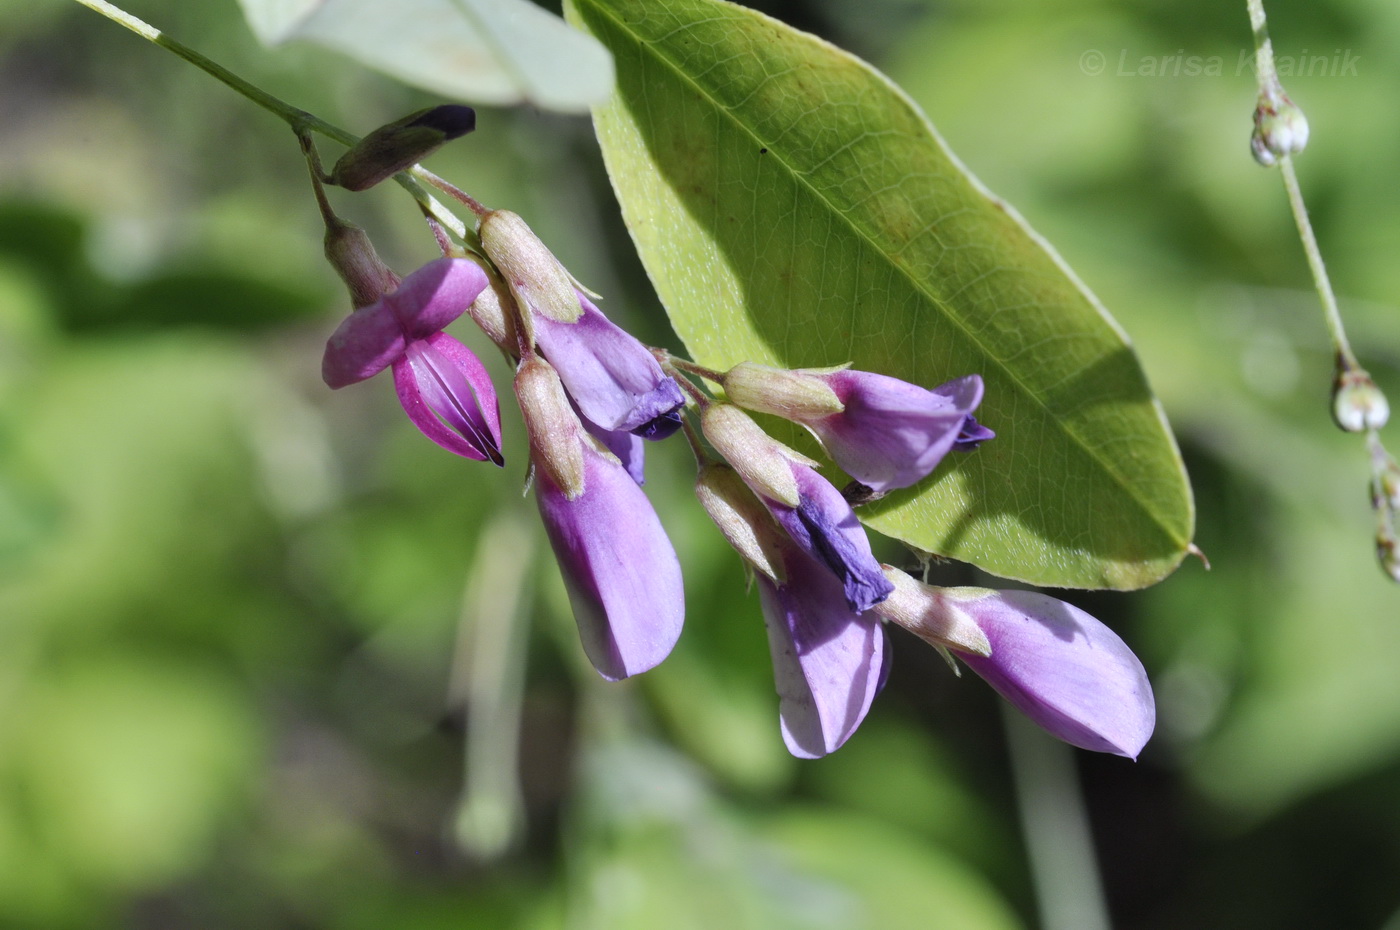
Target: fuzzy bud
[(764, 463), (1388, 487), (794, 394), (540, 284), (400, 145), (556, 435), (353, 257), (743, 520), (1388, 552), (932, 614), (1357, 404), (1280, 129)]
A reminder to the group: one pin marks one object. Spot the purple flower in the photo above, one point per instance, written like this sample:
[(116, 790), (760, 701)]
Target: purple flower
[(622, 575), (885, 433), (828, 661), (1059, 666), (443, 387), (826, 528), (972, 435), (812, 512), (628, 447), (615, 380), (892, 434)]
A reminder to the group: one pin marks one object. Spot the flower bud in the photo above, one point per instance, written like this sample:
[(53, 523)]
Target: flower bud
[(556, 436), (1357, 404), (924, 611), (1388, 551), (1280, 129), (352, 255), (764, 463), (743, 520), (400, 145), (540, 284), (1388, 487), (794, 394)]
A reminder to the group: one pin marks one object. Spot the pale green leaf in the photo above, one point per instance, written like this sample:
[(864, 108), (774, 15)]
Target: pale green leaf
[(483, 51), (793, 207)]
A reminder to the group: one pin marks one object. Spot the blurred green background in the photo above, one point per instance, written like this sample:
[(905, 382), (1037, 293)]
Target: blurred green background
[(270, 659)]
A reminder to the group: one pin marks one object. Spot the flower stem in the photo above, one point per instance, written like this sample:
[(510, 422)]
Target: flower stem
[(300, 120), (1346, 359), (709, 374), (1271, 93), (1059, 845)]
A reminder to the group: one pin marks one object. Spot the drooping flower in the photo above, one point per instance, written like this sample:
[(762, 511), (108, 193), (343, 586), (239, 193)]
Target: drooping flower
[(883, 432), (1059, 666), (621, 572), (442, 385), (805, 505), (828, 660), (615, 380)]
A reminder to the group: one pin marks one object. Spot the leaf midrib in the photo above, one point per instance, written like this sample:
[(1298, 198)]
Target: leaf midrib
[(1078, 441)]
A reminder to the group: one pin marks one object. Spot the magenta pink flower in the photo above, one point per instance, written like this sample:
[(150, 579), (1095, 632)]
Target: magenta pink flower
[(443, 387)]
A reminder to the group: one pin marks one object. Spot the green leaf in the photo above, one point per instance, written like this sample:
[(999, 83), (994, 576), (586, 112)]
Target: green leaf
[(486, 51), (793, 207)]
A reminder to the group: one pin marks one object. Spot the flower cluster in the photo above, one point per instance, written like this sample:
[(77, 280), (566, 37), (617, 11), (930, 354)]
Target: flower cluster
[(591, 393)]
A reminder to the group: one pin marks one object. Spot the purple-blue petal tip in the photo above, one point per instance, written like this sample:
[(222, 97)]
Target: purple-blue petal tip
[(972, 435)]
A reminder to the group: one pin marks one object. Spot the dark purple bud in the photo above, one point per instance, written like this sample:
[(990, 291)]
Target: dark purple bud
[(400, 145)]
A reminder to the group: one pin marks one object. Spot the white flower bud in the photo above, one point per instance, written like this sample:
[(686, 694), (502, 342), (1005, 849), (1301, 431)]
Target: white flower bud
[(1388, 552), (1357, 404), (1280, 129)]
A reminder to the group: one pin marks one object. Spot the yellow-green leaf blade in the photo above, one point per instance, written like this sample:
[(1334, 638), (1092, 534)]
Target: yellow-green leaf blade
[(793, 207)]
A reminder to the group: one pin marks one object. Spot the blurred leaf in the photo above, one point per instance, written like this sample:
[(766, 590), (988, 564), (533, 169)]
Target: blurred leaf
[(792, 207), (662, 850), (487, 51), (886, 879), (130, 763), (53, 242)]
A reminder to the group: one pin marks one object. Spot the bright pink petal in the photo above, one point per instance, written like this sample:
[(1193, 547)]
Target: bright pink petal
[(435, 295), (364, 344), (448, 395)]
